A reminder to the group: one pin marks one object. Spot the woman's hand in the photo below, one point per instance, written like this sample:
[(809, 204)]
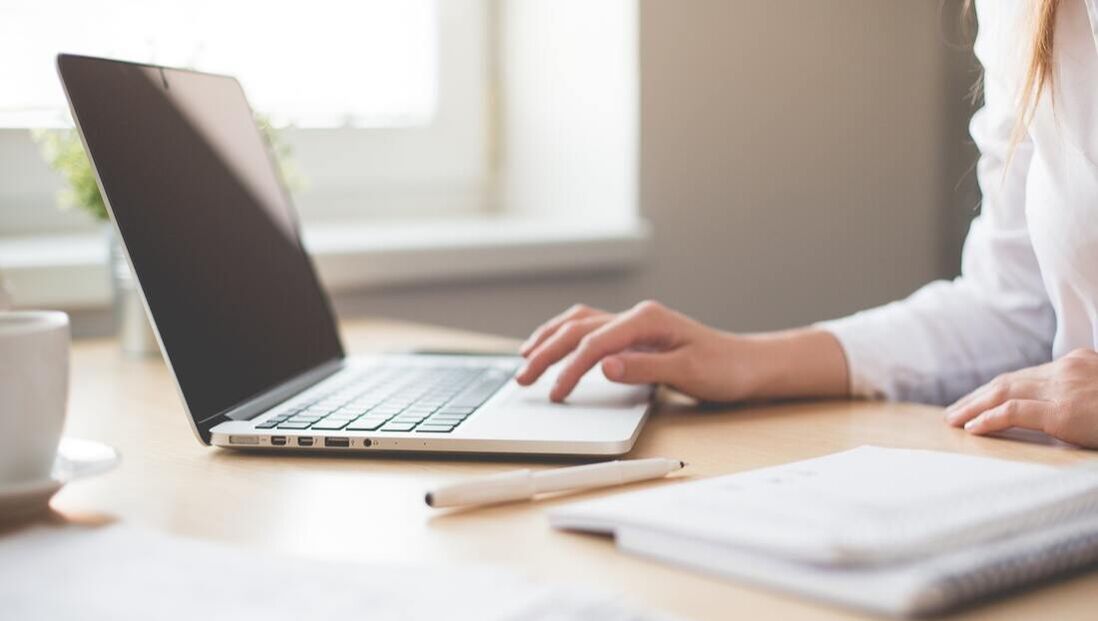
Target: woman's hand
[(651, 344), (1059, 398), (648, 344)]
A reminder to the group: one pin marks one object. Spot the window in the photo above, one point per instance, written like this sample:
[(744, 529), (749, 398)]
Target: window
[(325, 63), (386, 100)]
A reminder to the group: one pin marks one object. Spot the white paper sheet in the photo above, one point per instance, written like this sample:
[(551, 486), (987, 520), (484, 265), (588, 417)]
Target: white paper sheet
[(119, 573)]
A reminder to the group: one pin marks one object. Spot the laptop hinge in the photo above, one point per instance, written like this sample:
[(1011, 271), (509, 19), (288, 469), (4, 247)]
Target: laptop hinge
[(266, 400)]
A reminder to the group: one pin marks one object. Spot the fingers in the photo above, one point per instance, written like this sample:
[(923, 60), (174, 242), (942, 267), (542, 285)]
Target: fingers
[(988, 396), (1027, 413), (983, 392), (972, 404), (963, 401), (642, 367), (641, 326), (547, 329), (555, 347)]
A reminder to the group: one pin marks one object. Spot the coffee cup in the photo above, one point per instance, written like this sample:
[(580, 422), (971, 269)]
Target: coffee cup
[(34, 383)]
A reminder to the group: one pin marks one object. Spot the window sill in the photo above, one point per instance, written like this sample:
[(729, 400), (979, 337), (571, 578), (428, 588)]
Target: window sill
[(69, 271)]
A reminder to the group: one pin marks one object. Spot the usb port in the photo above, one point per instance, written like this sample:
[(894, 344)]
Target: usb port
[(278, 440), (337, 442), (304, 441)]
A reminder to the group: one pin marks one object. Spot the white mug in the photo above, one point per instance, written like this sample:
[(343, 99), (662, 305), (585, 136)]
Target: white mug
[(34, 385)]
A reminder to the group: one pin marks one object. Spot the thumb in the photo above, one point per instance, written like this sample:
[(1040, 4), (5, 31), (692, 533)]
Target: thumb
[(641, 367)]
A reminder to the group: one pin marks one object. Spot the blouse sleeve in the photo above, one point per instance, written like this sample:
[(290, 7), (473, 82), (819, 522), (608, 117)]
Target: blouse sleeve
[(951, 336)]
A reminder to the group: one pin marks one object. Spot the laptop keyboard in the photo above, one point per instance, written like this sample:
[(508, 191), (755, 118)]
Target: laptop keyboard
[(396, 399)]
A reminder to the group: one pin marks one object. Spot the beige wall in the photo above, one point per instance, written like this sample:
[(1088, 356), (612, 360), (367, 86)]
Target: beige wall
[(799, 160)]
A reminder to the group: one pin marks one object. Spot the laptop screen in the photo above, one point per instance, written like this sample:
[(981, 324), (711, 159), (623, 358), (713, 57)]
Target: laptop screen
[(208, 226)]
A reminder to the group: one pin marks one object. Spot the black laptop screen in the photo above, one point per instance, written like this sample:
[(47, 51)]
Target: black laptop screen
[(210, 232)]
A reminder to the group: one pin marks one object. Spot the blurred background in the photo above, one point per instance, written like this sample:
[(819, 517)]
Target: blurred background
[(485, 163)]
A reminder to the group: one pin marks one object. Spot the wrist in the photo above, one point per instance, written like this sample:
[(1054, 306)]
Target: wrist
[(804, 362)]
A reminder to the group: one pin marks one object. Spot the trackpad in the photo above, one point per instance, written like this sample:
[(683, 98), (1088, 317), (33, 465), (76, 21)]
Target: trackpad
[(593, 391), (597, 410)]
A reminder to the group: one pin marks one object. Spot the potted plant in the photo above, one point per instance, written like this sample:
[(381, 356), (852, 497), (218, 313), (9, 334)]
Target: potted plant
[(64, 152)]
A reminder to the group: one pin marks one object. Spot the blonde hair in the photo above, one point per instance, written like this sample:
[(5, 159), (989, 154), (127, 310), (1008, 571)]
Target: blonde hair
[(1039, 73)]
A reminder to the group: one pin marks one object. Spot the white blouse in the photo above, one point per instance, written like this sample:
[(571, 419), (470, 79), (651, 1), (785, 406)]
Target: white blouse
[(1028, 292)]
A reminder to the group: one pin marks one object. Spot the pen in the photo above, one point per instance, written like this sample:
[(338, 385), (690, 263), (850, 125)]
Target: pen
[(524, 484)]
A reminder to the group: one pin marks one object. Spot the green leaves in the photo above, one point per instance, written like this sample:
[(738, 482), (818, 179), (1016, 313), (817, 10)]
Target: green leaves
[(64, 152), (292, 177)]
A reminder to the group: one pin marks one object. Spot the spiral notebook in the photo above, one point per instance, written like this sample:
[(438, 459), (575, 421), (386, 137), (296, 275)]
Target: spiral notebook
[(895, 531)]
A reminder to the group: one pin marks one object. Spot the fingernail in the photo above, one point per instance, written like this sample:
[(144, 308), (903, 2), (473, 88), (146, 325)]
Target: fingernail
[(520, 377), (555, 394), (970, 425), (613, 368)]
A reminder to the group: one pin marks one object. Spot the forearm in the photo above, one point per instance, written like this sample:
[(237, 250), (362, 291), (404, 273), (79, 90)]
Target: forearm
[(806, 362)]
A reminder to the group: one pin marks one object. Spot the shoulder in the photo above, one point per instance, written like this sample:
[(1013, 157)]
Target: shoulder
[(1002, 13), (1002, 37)]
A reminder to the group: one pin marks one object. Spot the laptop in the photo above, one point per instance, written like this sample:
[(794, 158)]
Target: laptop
[(240, 315)]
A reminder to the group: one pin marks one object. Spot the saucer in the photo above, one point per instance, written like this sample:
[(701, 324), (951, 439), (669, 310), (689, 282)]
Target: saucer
[(75, 459)]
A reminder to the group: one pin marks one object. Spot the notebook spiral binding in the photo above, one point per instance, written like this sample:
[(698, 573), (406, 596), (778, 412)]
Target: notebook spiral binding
[(1015, 563)]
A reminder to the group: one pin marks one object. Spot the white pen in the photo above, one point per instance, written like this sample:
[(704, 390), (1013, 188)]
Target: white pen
[(524, 484)]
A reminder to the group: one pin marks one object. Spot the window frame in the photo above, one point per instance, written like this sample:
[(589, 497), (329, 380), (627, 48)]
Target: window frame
[(442, 168)]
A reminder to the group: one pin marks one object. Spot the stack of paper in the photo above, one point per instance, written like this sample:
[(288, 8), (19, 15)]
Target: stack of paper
[(120, 573), (895, 531)]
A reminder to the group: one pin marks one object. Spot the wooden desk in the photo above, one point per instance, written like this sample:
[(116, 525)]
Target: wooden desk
[(370, 508)]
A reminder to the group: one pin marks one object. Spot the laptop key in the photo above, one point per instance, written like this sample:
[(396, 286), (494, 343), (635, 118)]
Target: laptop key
[(427, 409), (293, 425), (386, 410), (330, 425), (398, 427), (428, 428), (445, 420), (271, 424), (457, 411), (365, 425), (446, 414)]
